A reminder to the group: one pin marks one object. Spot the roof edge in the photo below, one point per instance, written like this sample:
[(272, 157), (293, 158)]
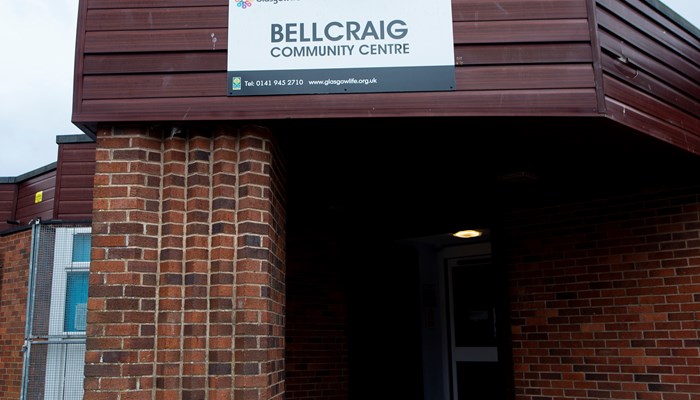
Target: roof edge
[(28, 175), (674, 16), (75, 138)]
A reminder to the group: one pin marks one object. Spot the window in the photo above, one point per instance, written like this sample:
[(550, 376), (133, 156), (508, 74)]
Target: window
[(75, 313), (65, 356)]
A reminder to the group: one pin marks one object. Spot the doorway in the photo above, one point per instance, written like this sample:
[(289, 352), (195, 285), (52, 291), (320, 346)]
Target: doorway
[(474, 312), (471, 341)]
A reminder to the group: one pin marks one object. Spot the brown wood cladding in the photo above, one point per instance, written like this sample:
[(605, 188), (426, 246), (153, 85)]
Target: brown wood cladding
[(573, 102), (503, 10), (214, 84), (535, 53), (131, 63), (74, 182), (642, 81), (569, 30), (653, 127), (651, 70), (157, 18), (66, 190), (95, 4), (27, 208), (156, 40), (157, 60), (7, 199), (165, 60), (8, 195)]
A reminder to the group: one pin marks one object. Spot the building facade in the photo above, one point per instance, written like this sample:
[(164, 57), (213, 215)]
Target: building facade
[(299, 247)]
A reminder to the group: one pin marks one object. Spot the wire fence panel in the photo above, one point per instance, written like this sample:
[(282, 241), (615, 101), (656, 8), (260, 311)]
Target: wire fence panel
[(55, 369), (54, 357)]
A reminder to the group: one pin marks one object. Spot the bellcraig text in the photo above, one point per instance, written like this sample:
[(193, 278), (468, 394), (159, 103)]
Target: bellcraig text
[(336, 31)]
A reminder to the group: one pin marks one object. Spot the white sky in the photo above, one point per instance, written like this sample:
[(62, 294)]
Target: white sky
[(36, 78)]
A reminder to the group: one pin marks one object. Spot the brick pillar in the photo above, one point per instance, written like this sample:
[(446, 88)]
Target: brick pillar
[(259, 278), (168, 357), (187, 279)]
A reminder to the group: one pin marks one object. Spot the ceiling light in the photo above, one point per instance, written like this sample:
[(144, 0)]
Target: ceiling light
[(466, 234)]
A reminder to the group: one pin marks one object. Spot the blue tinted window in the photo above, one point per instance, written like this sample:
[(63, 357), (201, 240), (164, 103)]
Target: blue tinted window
[(81, 247), (76, 301)]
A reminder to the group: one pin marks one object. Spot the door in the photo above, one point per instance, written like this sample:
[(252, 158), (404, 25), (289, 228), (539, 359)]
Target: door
[(475, 301)]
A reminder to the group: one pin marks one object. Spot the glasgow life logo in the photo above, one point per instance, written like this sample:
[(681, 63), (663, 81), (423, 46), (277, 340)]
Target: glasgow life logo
[(243, 4)]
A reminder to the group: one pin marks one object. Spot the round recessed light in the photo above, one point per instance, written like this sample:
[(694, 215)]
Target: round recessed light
[(466, 234)]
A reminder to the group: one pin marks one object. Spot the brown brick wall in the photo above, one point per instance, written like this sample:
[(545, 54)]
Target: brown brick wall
[(317, 354), (187, 279), (605, 299), (14, 276)]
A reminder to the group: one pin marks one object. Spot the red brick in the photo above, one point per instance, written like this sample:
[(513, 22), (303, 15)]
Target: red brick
[(182, 244), (14, 262)]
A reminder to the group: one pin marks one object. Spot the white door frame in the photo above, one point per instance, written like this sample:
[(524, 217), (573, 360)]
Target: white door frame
[(447, 261)]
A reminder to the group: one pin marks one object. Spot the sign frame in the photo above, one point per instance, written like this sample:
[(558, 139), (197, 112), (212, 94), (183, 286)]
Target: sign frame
[(284, 47)]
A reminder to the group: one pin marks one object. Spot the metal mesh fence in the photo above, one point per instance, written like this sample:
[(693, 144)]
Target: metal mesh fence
[(56, 312)]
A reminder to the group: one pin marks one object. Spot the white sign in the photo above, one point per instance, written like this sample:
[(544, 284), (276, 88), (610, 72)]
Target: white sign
[(339, 46)]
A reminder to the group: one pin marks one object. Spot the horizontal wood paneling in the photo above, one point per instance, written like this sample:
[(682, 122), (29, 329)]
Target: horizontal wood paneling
[(77, 192), (663, 21), (155, 85), (77, 153), (648, 45), (7, 192), (651, 71), (665, 34), (26, 208), (484, 54), (156, 41), (650, 105), (131, 63), (75, 174), (7, 204), (76, 210), (76, 188), (70, 169), (650, 84), (550, 31), (105, 14), (26, 190), (157, 18), (654, 127), (487, 103), (157, 61), (508, 10), (214, 84), (641, 61), (525, 77), (96, 4), (68, 186), (527, 53)]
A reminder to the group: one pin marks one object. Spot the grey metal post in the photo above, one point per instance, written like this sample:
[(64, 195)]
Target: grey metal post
[(28, 333)]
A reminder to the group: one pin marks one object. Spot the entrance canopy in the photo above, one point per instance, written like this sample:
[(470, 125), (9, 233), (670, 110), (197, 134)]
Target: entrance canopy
[(634, 62)]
